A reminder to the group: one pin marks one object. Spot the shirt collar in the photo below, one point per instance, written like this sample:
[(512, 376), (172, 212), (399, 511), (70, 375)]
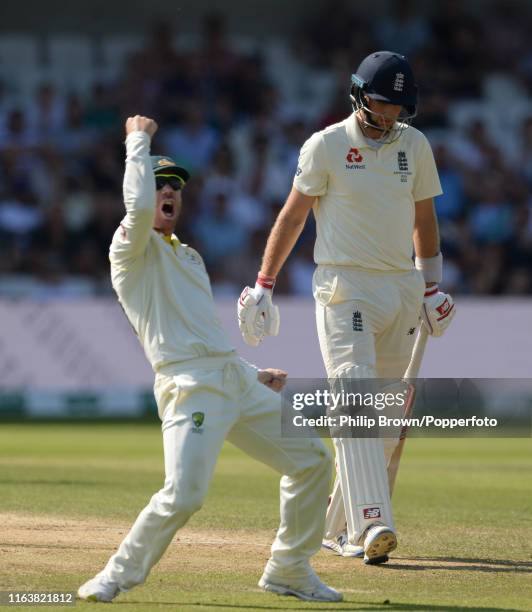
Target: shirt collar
[(356, 136), (354, 132), (173, 240)]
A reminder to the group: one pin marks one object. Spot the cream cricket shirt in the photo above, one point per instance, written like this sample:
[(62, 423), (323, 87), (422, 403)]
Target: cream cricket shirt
[(365, 196), (163, 287)]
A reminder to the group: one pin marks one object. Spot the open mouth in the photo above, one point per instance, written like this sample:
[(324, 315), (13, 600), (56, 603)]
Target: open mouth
[(168, 210)]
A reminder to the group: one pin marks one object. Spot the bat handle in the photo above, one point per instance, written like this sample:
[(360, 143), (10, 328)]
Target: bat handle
[(417, 354)]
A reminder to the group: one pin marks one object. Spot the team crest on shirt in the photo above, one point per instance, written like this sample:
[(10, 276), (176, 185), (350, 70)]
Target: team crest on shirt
[(402, 166), (354, 157), (193, 257), (357, 321)]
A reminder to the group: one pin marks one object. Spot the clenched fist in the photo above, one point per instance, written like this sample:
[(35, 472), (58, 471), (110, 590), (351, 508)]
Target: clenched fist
[(138, 123), (272, 378)]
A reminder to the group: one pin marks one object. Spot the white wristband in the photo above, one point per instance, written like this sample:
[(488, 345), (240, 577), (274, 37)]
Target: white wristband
[(431, 268)]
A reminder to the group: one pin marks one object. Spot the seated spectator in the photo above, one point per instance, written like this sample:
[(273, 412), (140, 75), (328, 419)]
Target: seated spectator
[(263, 177), (472, 147), (20, 219), (524, 157), (245, 209), (492, 219), (46, 113), (102, 111), (193, 142), (218, 234), (77, 137), (403, 30), (219, 59), (450, 205), (17, 137)]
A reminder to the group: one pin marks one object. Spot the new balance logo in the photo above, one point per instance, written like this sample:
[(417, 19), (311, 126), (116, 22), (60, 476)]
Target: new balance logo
[(371, 513), (357, 321), (411, 331), (399, 82)]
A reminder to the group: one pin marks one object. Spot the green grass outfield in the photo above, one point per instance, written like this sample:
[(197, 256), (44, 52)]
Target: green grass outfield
[(68, 494)]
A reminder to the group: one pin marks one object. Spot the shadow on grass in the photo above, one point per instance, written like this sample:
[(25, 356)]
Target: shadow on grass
[(370, 606), (84, 483), (461, 564), (504, 562)]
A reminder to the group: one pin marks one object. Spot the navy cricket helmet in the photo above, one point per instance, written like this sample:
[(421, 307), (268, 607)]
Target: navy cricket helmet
[(387, 77)]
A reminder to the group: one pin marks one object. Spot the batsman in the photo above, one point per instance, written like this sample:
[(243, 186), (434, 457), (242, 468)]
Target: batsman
[(205, 393), (370, 181)]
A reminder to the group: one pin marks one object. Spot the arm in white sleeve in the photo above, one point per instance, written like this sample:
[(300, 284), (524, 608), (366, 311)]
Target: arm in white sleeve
[(132, 237)]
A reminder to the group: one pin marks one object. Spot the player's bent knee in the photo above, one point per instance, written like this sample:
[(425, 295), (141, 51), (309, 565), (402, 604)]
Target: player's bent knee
[(356, 371), (181, 503), (324, 455), (321, 456)]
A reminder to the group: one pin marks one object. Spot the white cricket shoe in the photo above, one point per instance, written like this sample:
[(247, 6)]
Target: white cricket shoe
[(98, 589), (379, 541), (309, 588), (342, 547)]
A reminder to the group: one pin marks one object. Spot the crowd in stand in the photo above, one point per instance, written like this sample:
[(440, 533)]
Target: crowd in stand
[(237, 116)]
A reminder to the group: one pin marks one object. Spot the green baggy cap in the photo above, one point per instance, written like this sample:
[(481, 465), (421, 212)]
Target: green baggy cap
[(166, 165)]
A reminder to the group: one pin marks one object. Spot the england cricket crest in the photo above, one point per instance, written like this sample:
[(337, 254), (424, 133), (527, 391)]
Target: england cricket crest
[(399, 82), (198, 418), (402, 166)]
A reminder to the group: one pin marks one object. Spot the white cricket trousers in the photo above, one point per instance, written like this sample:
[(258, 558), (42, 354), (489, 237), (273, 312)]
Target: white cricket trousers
[(200, 406), (367, 324)]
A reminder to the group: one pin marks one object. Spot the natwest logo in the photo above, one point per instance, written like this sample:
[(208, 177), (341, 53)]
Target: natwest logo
[(353, 156)]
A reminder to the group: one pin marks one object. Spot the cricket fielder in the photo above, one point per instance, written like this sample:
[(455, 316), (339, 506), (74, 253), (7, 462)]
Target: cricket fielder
[(370, 181), (205, 393)]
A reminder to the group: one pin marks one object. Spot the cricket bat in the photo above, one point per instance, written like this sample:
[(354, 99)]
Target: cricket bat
[(411, 372)]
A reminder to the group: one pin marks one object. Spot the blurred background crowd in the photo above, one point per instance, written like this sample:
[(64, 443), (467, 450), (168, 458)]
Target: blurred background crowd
[(235, 112)]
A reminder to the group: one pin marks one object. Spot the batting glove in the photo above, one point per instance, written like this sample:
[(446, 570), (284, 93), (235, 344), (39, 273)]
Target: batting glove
[(437, 311), (257, 316)]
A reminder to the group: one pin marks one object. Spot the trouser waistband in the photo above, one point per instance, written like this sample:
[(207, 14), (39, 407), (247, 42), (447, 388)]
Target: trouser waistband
[(211, 362)]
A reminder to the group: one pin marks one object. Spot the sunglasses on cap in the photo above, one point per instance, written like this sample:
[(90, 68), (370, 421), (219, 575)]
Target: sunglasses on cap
[(175, 182)]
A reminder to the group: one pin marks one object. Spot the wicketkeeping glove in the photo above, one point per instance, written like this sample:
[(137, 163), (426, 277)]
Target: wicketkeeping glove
[(257, 316), (437, 311)]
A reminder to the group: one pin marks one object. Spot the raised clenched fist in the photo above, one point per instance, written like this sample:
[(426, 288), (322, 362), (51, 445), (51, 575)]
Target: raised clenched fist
[(138, 123)]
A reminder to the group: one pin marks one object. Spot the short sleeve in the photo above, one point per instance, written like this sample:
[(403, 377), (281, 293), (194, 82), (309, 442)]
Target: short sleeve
[(311, 174), (426, 182)]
